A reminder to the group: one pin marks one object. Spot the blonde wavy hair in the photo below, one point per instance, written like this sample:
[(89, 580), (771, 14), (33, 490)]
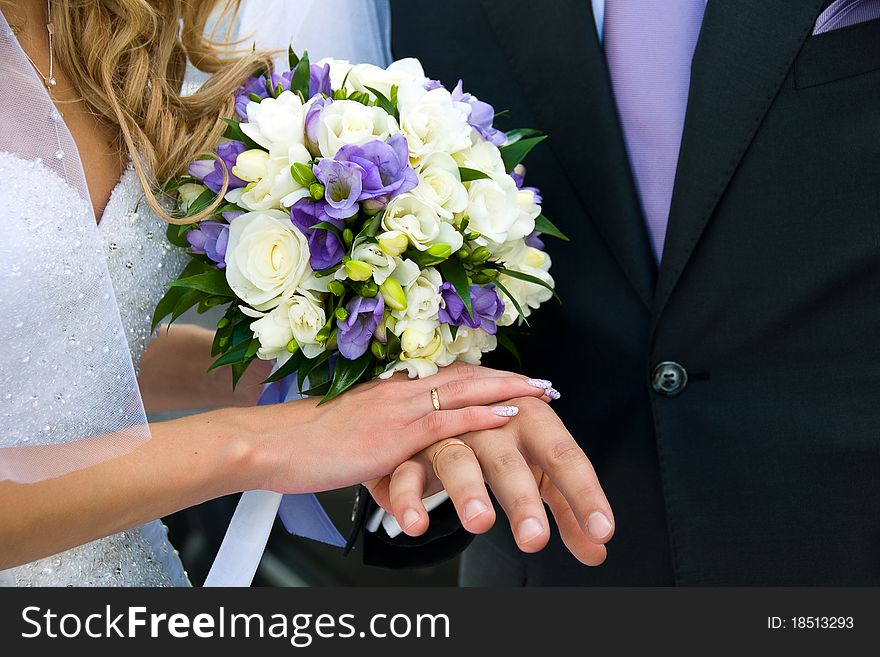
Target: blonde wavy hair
[(126, 60)]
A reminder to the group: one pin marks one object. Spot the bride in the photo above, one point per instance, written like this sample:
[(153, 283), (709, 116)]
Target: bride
[(93, 122)]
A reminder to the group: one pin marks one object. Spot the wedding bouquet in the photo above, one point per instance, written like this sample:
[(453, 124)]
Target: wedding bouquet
[(372, 221)]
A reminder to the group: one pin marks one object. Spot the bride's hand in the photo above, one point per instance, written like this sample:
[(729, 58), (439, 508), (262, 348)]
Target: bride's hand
[(365, 433)]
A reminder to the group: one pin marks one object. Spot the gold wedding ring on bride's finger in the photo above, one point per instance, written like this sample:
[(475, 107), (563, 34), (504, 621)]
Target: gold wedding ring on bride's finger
[(449, 443), (435, 399)]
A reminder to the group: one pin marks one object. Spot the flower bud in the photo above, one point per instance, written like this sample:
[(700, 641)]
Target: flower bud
[(369, 290), (394, 246), (252, 165), (473, 236), (303, 174), (358, 270), (317, 191), (440, 251), (223, 323), (480, 255), (324, 334), (336, 288), (348, 237), (393, 294), (341, 314), (378, 349), (292, 346)]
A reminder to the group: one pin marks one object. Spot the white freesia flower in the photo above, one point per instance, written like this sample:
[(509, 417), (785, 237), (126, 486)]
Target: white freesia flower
[(251, 165), (432, 121), (275, 188), (297, 318), (188, 193), (411, 216), (422, 299), (363, 77), (424, 349), (440, 185), (518, 256), (383, 265), (498, 211), (469, 344), (266, 259), (276, 123), (349, 122), (482, 156)]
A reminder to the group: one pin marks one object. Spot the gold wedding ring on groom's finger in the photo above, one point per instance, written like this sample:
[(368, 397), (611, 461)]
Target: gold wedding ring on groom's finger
[(455, 442), (435, 399)]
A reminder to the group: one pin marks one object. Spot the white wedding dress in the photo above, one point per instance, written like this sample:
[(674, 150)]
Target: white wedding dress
[(140, 262)]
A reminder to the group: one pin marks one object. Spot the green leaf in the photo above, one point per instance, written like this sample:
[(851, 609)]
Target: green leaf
[(176, 234), (454, 272), (347, 374), (515, 303), (467, 175), (234, 131), (203, 202), (235, 355), (292, 365), (371, 227), (546, 227), (292, 59), (310, 366), (238, 370), (189, 299), (326, 225), (514, 153), (514, 136), (211, 282), (423, 258), (529, 279), (301, 76), (505, 341), (168, 302), (385, 103)]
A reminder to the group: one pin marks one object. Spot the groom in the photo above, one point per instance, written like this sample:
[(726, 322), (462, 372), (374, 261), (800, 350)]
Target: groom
[(717, 167)]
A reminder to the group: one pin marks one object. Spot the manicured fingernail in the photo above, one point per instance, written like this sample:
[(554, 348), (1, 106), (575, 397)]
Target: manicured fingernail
[(598, 525), (473, 509), (529, 529), (410, 518), (554, 394), (505, 411), (543, 384)]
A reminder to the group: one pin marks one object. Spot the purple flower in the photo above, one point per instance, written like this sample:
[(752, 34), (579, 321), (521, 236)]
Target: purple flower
[(482, 116), (534, 240), (210, 172), (211, 239), (313, 121), (430, 85), (387, 172), (343, 183), (325, 248), (519, 177), (253, 86), (357, 330), (319, 80), (485, 302)]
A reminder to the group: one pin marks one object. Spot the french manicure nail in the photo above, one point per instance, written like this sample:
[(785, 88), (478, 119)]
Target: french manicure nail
[(598, 525), (473, 509), (543, 384), (554, 394), (410, 517), (529, 529), (505, 411)]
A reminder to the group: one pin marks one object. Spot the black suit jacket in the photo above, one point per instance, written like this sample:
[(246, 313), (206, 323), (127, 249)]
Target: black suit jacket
[(766, 469)]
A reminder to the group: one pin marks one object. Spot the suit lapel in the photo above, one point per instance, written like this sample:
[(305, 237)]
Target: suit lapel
[(744, 53), (571, 97)]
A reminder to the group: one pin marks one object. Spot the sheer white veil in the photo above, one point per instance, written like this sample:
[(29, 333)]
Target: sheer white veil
[(68, 392)]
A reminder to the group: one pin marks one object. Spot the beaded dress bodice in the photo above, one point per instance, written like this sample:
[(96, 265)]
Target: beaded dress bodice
[(140, 262)]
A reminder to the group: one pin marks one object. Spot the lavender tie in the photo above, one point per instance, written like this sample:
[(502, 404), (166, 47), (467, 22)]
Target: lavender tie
[(649, 46)]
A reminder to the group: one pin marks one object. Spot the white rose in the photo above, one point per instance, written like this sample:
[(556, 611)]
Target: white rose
[(528, 260), (469, 344), (365, 76), (497, 212), (440, 185), (348, 122), (422, 299), (307, 318), (276, 123), (482, 156), (267, 257), (432, 121), (188, 193), (411, 216), (424, 351), (275, 188), (273, 331)]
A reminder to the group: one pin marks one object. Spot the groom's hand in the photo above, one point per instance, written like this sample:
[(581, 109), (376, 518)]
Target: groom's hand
[(531, 460)]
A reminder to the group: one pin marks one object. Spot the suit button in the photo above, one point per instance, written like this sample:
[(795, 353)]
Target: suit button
[(669, 379)]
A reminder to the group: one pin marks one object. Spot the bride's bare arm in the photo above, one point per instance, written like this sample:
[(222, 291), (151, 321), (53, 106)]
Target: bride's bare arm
[(174, 374), (294, 447)]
